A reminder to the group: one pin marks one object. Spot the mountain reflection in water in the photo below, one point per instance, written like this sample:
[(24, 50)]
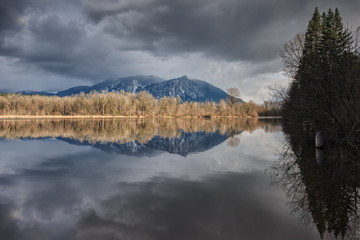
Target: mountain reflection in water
[(322, 184), (139, 137)]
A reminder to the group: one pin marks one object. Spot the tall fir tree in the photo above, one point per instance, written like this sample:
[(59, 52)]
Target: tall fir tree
[(313, 35), (300, 90), (323, 79)]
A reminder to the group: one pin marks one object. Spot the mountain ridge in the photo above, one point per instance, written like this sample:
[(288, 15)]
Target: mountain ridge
[(186, 88), (183, 145), (127, 84)]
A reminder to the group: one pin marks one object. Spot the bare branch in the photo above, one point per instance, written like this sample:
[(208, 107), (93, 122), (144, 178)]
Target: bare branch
[(292, 53)]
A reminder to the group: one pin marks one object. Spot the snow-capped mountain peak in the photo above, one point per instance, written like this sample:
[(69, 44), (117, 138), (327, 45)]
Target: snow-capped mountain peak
[(186, 88)]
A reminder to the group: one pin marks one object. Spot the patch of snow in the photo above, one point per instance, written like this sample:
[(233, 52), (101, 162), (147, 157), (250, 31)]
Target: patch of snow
[(135, 85)]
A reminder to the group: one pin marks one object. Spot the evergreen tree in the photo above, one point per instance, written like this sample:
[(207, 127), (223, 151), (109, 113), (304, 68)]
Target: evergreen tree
[(301, 90), (326, 79), (313, 35)]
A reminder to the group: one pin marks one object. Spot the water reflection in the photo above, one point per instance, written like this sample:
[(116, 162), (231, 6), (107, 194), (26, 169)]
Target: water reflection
[(54, 190), (322, 185), (220, 207), (139, 137)]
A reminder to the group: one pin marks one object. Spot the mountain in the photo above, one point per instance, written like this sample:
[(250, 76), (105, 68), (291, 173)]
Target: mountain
[(28, 92), (127, 84), (183, 145), (187, 89), (73, 91), (184, 87), (4, 90)]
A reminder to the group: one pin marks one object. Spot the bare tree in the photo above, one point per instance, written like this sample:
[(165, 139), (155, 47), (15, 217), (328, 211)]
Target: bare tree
[(233, 97), (278, 93), (291, 54), (234, 92), (233, 141)]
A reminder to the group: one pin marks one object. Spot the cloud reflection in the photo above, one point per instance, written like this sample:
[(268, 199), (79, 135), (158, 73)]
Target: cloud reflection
[(221, 193)]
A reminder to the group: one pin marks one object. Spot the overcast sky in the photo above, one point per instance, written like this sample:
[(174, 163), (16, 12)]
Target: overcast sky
[(57, 44)]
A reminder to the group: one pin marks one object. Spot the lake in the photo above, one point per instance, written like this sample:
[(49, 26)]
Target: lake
[(148, 179)]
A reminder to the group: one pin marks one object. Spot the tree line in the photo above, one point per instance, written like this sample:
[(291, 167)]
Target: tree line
[(324, 96), (126, 104), (324, 65)]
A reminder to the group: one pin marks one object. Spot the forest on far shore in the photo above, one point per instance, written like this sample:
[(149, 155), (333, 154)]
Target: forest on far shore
[(130, 104)]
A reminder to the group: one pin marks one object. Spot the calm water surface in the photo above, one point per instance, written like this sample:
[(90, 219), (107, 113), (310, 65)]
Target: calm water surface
[(143, 179)]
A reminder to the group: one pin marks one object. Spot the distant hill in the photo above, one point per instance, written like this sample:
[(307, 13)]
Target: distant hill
[(184, 87), (128, 84), (37, 93), (187, 89), (5, 91)]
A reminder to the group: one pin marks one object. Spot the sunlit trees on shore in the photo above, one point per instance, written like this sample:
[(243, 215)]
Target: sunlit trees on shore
[(123, 104)]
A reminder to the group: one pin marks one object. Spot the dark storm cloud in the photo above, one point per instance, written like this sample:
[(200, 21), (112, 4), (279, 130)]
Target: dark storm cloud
[(93, 39), (51, 40), (10, 18), (13, 11), (228, 29), (248, 30), (10, 14), (42, 35)]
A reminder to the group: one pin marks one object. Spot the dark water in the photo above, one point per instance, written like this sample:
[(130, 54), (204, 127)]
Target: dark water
[(146, 179)]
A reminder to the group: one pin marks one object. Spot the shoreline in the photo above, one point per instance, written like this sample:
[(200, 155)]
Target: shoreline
[(14, 117)]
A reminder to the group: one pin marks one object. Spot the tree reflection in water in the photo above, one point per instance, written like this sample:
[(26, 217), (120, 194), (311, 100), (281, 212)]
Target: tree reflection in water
[(233, 138), (322, 185), (128, 130)]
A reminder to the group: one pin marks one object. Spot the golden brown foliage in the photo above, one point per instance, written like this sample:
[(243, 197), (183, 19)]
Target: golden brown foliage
[(119, 104), (127, 130)]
